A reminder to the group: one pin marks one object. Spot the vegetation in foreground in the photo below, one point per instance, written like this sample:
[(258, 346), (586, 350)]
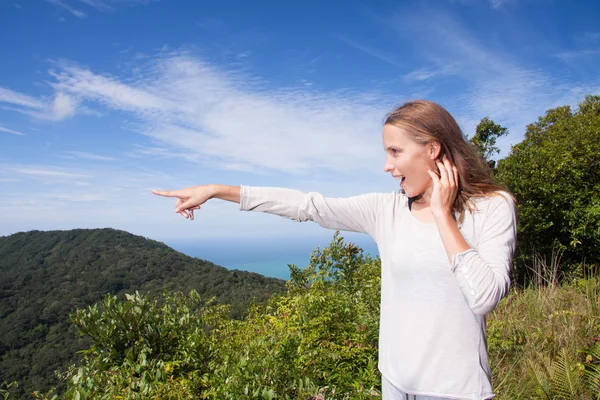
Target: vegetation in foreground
[(319, 341)]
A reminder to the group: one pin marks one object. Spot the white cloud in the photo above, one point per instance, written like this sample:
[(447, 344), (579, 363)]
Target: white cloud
[(496, 84), (2, 129), (90, 156), (98, 5), (497, 4), (106, 90), (42, 172), (199, 112), (370, 51), (423, 74), (63, 106), (61, 4), (19, 99), (578, 53)]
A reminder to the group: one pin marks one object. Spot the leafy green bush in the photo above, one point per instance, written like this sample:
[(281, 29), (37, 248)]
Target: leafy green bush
[(318, 339), (145, 348)]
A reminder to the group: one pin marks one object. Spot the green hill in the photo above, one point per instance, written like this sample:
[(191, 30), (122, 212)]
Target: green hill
[(45, 275)]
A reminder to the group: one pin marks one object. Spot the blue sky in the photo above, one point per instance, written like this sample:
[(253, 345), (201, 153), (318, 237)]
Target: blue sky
[(103, 100)]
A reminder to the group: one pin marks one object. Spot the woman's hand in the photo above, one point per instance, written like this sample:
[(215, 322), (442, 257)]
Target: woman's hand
[(188, 199), (445, 188)]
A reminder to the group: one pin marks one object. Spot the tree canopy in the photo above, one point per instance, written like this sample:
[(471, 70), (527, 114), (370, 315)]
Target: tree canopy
[(484, 140), (555, 175)]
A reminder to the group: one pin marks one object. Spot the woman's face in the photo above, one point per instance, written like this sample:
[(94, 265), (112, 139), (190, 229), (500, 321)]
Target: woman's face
[(408, 160)]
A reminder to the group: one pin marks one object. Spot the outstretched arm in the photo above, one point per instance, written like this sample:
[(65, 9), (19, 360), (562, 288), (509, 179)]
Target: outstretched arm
[(356, 213)]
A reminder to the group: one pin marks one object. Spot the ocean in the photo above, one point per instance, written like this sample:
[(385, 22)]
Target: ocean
[(266, 256)]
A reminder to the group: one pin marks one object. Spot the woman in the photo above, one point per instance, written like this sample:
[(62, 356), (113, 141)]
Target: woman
[(446, 242)]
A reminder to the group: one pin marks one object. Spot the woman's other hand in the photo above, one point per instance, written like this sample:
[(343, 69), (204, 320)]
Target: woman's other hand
[(445, 187)]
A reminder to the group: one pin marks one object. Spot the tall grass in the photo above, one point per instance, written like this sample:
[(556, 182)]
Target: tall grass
[(544, 340)]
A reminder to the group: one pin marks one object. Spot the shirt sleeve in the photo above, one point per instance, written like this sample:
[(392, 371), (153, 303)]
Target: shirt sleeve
[(356, 214), (483, 273)]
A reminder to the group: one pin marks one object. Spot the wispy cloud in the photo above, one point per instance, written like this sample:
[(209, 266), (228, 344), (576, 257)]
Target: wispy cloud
[(567, 55), (61, 107), (222, 118), (19, 99), (61, 4), (41, 172), (497, 85), (2, 129), (98, 5), (423, 74), (89, 156), (370, 51), (497, 4)]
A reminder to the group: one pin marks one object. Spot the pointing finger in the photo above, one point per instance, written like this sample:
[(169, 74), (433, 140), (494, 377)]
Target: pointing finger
[(168, 193)]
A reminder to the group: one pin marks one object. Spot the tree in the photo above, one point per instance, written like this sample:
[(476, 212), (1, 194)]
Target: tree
[(555, 175), (484, 140)]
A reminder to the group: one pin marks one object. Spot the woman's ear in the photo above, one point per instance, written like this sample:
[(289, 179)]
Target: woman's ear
[(435, 150)]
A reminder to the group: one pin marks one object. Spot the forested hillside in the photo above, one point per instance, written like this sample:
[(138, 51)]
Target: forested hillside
[(46, 275)]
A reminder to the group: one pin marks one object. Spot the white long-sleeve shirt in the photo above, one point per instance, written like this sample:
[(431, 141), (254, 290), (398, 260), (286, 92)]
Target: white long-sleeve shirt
[(432, 330)]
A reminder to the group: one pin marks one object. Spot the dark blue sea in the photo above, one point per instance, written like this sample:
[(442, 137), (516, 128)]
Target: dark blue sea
[(266, 256)]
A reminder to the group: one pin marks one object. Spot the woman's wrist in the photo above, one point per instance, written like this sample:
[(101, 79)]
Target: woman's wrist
[(442, 215), (452, 238), (214, 190), (224, 192)]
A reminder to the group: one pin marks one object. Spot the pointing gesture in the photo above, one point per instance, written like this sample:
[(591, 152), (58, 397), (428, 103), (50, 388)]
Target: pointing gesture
[(190, 199)]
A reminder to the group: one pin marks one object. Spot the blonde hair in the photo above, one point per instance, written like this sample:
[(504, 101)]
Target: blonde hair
[(426, 122)]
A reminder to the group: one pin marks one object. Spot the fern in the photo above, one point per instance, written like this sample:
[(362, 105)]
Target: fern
[(592, 372), (566, 376), (541, 372)]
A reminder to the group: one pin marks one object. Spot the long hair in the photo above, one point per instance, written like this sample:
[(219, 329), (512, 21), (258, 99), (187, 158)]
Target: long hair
[(426, 121)]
